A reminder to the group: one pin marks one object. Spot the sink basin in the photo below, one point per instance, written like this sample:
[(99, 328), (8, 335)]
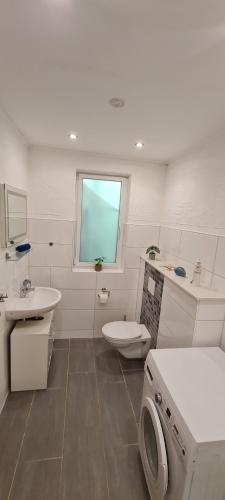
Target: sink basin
[(36, 302)]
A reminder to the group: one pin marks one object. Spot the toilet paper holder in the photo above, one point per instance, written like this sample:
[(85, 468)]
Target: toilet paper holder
[(104, 290)]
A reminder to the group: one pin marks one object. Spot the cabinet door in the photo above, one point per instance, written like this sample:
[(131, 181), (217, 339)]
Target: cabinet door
[(182, 298), (176, 326)]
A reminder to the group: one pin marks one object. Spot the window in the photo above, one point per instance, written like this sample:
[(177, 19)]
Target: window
[(100, 219)]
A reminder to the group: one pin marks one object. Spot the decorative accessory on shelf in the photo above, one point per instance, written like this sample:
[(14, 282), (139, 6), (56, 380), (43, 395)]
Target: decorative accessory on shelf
[(152, 251), (180, 271)]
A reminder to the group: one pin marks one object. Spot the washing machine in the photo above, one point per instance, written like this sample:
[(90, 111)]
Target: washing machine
[(182, 424)]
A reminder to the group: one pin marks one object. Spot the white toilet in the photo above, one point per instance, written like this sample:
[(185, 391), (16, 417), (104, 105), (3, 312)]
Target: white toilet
[(128, 337)]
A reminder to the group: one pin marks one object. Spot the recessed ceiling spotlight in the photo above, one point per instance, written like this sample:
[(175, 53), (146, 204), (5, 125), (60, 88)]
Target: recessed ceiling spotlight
[(73, 136), (117, 102), (139, 145)]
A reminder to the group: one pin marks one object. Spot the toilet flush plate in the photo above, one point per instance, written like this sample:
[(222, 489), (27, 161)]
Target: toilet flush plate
[(151, 286)]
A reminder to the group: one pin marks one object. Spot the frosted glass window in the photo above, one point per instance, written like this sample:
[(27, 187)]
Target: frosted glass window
[(100, 215)]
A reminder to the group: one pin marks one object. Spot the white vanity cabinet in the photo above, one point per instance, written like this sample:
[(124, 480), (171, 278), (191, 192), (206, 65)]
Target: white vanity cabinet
[(31, 345), (190, 320)]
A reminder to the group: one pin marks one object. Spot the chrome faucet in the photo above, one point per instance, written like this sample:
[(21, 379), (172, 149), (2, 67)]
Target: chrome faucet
[(26, 287)]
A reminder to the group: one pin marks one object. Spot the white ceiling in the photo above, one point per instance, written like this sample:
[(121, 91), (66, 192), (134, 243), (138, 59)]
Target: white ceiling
[(61, 60)]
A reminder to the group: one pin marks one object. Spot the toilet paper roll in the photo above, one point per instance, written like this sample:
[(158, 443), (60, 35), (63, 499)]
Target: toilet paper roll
[(103, 297)]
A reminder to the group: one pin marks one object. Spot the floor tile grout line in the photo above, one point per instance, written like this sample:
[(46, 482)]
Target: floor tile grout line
[(54, 388), (128, 395), (31, 405), (47, 459), (16, 466), (132, 370), (21, 446), (64, 420), (60, 349), (100, 416), (81, 372)]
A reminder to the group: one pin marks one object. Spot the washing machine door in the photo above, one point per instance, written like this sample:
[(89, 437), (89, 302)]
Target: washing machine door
[(153, 450)]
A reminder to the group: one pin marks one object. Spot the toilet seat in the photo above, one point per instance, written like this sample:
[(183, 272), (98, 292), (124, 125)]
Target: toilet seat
[(131, 339), (122, 331)]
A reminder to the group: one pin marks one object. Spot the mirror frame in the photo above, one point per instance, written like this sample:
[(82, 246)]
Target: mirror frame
[(4, 190)]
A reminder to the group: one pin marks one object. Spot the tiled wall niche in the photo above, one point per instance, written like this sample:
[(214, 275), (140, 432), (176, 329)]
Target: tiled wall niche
[(79, 314)]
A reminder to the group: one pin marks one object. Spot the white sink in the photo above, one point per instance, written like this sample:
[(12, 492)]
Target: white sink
[(36, 302)]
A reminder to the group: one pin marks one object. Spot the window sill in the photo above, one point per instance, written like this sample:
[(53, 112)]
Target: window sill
[(92, 270)]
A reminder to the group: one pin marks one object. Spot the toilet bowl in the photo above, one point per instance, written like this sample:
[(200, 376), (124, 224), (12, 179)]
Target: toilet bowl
[(128, 337)]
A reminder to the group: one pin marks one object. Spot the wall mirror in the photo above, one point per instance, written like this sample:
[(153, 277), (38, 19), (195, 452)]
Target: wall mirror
[(13, 215)]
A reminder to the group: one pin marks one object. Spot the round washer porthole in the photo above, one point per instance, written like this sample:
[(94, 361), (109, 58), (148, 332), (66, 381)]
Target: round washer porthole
[(150, 441), (153, 450)]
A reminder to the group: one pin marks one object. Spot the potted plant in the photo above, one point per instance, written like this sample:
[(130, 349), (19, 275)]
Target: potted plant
[(99, 261), (152, 251)]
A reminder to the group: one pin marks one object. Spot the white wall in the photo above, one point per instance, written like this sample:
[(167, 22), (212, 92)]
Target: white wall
[(193, 214), (52, 180), (195, 191), (14, 171)]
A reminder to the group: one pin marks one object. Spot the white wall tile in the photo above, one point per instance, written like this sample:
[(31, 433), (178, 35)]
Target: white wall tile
[(67, 319), (142, 235), (44, 255), (131, 305), (218, 283), (220, 258), (40, 276), (77, 299), (105, 316), (139, 305), (170, 258), (118, 299), (169, 240), (118, 281), (66, 278), (132, 256), (196, 246), (46, 230)]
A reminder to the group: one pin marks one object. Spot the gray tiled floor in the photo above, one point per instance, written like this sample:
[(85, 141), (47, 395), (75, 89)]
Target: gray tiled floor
[(78, 439)]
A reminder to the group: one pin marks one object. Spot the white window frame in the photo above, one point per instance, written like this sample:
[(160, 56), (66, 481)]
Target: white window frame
[(121, 224)]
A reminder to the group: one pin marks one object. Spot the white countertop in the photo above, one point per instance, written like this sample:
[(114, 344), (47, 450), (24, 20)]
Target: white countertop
[(198, 292)]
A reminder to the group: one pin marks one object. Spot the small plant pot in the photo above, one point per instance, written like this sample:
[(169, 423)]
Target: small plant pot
[(152, 256), (98, 267)]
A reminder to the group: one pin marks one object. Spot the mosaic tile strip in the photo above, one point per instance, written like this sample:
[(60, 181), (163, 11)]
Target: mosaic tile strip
[(151, 304)]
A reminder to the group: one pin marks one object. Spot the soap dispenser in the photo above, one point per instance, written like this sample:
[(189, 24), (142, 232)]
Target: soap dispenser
[(197, 274)]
